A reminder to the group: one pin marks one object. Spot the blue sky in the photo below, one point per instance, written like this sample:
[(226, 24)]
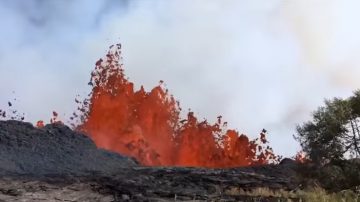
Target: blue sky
[(259, 63)]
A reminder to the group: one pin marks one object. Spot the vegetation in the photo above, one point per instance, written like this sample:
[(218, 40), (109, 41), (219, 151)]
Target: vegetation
[(331, 141), (334, 132), (314, 195), (319, 194)]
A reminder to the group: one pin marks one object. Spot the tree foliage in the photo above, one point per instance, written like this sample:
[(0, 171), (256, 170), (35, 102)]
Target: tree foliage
[(334, 131)]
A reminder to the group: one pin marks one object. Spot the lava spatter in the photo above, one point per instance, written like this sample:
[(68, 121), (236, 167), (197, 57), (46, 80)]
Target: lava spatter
[(148, 125)]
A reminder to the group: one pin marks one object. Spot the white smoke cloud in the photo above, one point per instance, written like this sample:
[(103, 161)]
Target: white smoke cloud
[(329, 37), (260, 64)]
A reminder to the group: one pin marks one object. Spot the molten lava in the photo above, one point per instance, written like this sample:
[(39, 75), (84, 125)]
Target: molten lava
[(148, 126), (40, 124), (301, 157)]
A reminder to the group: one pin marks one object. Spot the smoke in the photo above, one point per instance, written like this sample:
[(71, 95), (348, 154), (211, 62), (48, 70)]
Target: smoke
[(328, 36), (44, 57), (260, 64)]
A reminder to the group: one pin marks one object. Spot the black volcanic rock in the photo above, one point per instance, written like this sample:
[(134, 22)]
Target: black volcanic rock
[(288, 161), (55, 148), (55, 163)]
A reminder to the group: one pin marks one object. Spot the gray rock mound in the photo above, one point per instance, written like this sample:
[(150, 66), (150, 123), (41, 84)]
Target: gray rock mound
[(55, 148)]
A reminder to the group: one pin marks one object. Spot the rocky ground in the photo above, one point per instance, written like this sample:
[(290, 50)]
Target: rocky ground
[(56, 164), (52, 149)]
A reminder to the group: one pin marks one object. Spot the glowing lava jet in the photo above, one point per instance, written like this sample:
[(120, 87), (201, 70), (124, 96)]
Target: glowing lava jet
[(148, 126)]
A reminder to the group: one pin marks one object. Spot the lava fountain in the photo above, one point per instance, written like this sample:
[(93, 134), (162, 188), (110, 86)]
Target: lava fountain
[(148, 125)]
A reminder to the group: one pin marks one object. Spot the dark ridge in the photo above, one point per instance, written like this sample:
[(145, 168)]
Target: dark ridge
[(55, 148)]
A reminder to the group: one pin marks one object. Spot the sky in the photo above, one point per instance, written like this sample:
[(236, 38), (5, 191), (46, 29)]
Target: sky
[(258, 63)]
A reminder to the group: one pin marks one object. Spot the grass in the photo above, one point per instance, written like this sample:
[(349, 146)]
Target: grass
[(319, 194), (314, 195)]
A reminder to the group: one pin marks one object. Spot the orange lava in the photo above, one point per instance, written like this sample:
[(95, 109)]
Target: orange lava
[(53, 120), (40, 124), (148, 125), (301, 157)]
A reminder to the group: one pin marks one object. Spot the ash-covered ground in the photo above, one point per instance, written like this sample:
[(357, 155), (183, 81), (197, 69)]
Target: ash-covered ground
[(55, 163)]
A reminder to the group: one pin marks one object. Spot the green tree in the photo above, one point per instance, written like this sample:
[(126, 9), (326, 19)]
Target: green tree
[(333, 133)]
